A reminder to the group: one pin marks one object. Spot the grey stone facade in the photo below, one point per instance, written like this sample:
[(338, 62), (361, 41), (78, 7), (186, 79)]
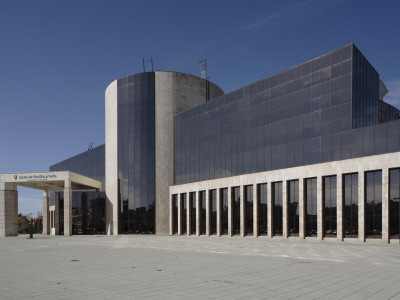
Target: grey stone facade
[(383, 162)]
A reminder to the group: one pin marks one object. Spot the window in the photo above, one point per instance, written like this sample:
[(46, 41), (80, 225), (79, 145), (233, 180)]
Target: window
[(330, 207), (293, 208)]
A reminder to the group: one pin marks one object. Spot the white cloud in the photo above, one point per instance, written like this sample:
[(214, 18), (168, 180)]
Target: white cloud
[(293, 13), (393, 97)]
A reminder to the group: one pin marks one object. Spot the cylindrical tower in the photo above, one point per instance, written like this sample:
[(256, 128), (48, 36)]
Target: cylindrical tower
[(139, 149)]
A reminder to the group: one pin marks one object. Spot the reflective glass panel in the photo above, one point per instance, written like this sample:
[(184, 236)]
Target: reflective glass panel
[(293, 207)]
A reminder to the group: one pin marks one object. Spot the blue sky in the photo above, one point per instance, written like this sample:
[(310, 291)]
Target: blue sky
[(57, 58)]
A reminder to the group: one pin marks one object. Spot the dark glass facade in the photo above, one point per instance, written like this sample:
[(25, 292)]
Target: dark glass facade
[(293, 207), (350, 207), (203, 212), (183, 214), (88, 212), (224, 210), (248, 194), (136, 152), (90, 163), (330, 206), (365, 104), (277, 208), (262, 209), (373, 204), (213, 211), (322, 110), (236, 210), (311, 224), (394, 204), (88, 207), (174, 214), (192, 211), (387, 112)]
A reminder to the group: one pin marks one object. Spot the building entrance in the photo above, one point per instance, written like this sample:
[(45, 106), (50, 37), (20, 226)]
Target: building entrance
[(64, 181)]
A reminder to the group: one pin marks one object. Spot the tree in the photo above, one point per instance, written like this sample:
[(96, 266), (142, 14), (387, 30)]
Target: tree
[(23, 223)]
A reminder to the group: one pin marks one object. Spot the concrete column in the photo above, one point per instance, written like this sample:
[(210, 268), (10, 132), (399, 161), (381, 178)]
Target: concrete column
[(285, 232), (174, 93), (46, 213), (179, 214), (171, 215), (385, 205), (270, 209), (188, 215), (339, 205), (230, 231), (361, 207), (8, 209), (112, 182), (320, 209), (255, 211), (302, 210), (218, 192), (67, 209), (208, 213), (57, 212), (242, 212), (198, 213)]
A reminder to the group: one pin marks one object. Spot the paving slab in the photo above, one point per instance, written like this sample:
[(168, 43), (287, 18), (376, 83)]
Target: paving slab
[(182, 267)]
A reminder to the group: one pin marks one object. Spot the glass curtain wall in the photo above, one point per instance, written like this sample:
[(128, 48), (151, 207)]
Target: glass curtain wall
[(183, 214), (394, 204), (174, 214), (373, 204), (277, 205), (248, 192), (88, 212), (262, 209), (136, 151), (224, 210), (213, 211), (192, 210), (365, 91), (89, 163), (330, 206), (77, 213), (311, 113), (236, 210), (293, 207), (311, 207), (203, 213), (61, 214), (350, 211)]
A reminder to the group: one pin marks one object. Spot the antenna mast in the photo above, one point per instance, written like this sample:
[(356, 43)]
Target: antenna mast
[(204, 64), (147, 60)]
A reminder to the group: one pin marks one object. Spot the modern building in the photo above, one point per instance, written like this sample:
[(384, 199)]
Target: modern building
[(136, 164), (313, 151), (310, 152)]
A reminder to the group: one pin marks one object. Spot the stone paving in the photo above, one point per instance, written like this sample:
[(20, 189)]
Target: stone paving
[(180, 267)]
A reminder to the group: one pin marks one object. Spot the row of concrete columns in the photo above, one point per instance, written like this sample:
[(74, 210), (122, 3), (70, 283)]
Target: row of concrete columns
[(67, 211), (340, 233)]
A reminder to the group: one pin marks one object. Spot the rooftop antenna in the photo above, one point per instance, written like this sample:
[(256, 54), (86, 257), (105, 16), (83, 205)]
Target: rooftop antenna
[(148, 60), (204, 63), (90, 146)]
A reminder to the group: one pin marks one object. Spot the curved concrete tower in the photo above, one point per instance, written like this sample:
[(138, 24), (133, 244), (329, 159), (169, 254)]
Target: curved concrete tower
[(139, 150)]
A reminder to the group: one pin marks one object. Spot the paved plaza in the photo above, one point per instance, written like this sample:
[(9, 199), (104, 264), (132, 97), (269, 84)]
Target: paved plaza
[(179, 267)]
